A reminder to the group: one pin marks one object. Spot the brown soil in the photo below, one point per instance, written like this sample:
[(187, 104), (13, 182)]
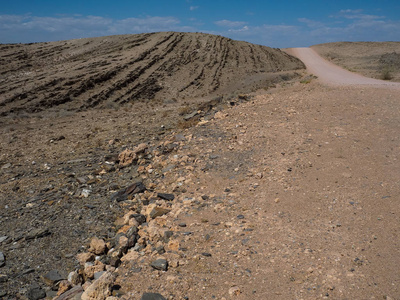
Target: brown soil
[(285, 193), (64, 122), (301, 188), (110, 71), (380, 60)]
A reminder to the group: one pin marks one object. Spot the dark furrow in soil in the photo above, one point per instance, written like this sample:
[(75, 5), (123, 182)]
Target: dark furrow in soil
[(86, 73)]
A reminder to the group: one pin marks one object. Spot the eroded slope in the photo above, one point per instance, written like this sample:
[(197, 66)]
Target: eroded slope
[(109, 71)]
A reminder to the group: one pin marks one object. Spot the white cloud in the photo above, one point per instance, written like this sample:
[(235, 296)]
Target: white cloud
[(193, 8), (345, 25), (355, 14), (352, 25), (230, 24), (28, 28), (310, 23), (353, 11), (244, 28)]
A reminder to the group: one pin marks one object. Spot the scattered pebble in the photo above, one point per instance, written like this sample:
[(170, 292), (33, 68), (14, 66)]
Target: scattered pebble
[(160, 264)]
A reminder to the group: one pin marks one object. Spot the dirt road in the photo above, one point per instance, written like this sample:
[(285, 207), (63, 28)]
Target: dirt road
[(331, 74)]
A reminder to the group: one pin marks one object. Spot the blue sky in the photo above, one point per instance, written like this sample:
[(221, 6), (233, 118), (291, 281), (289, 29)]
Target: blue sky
[(274, 23)]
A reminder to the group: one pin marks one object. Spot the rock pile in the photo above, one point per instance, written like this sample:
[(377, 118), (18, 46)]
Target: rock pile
[(143, 231)]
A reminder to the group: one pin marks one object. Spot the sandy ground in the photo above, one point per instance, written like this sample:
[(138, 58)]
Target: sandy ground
[(292, 194), (304, 182), (69, 108)]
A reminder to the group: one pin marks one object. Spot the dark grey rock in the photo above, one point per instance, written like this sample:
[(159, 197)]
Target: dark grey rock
[(52, 277), (132, 236), (2, 259), (165, 196), (160, 264), (152, 296), (115, 262), (3, 293), (37, 233), (240, 217), (3, 278), (35, 292), (160, 250), (124, 194), (206, 254), (182, 224), (139, 218), (167, 235)]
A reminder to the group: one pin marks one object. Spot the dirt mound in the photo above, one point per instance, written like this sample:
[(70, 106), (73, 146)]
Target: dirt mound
[(109, 71), (378, 60)]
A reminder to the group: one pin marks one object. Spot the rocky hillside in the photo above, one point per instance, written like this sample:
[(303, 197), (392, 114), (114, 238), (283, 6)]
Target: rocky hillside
[(109, 71)]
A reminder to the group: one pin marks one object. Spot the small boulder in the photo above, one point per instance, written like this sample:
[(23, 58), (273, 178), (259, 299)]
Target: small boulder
[(126, 158), (140, 148), (85, 257), (52, 277), (158, 212), (75, 278), (160, 264), (97, 246), (100, 289), (91, 270), (165, 196), (35, 292), (63, 286), (129, 192)]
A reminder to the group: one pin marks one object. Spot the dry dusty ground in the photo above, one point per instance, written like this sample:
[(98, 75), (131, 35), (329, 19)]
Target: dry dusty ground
[(69, 108), (380, 60), (290, 195), (303, 184)]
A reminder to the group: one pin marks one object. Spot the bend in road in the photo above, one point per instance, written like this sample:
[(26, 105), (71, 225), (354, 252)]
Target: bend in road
[(331, 74)]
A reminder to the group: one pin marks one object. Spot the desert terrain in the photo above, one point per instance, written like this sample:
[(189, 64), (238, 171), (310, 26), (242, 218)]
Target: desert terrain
[(380, 60), (279, 186)]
